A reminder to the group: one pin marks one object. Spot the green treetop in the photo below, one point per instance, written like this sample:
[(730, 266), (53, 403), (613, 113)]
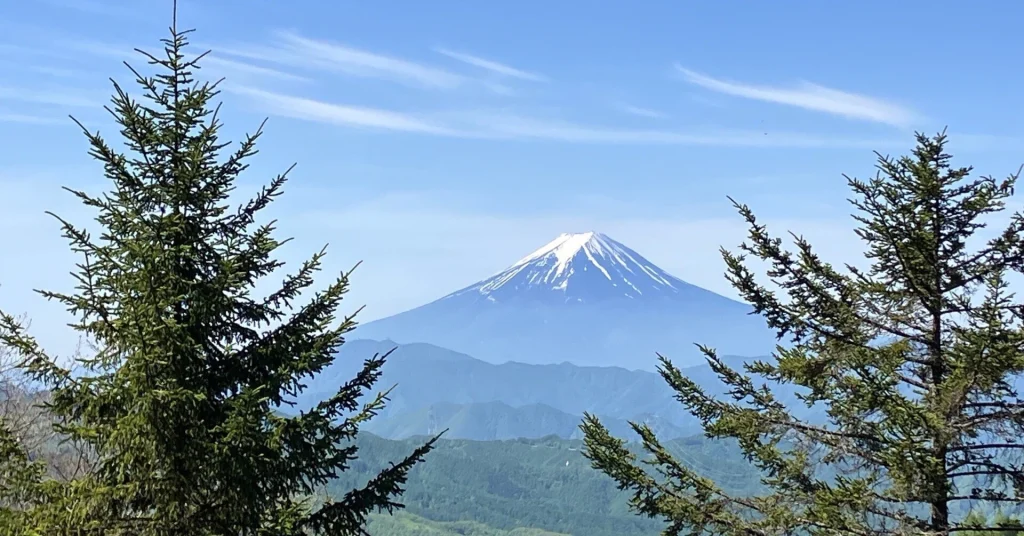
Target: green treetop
[(914, 359), (179, 401)]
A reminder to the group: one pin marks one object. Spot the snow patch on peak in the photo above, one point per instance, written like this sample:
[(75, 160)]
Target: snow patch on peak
[(565, 247), (565, 243), (579, 267)]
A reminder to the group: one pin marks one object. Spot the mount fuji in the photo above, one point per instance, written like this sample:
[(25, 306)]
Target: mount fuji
[(585, 299)]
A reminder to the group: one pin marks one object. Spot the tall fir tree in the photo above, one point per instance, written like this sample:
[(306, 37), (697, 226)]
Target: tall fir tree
[(914, 360), (179, 403)]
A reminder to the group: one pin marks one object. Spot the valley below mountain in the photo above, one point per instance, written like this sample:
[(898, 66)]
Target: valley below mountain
[(436, 389), (526, 487)]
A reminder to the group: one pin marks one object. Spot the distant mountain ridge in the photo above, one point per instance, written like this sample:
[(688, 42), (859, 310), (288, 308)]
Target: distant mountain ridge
[(585, 299), (496, 420), (481, 400)]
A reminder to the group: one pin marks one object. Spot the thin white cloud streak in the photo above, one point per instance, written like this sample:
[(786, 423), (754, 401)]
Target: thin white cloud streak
[(30, 119), (490, 65), (810, 97), (69, 50), (500, 89), (20, 51), (497, 126), (984, 142), (295, 50), (50, 98), (506, 126), (642, 112), (124, 52), (115, 9), (57, 71), (131, 9), (212, 63), (354, 116)]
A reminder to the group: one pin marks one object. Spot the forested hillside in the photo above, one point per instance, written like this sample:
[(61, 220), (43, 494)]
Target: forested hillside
[(406, 524), (540, 483)]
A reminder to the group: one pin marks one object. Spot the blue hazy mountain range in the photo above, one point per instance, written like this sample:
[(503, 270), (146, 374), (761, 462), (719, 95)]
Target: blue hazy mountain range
[(436, 388), (489, 421), (586, 299)]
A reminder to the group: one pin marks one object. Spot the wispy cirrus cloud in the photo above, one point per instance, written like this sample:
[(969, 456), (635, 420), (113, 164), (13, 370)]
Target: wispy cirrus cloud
[(491, 65), (12, 50), (339, 114), (46, 97), (106, 8), (500, 89), (300, 52), (57, 72), (213, 63), (295, 50), (235, 67), (809, 96), (29, 119), (508, 126), (109, 50), (128, 9), (641, 112)]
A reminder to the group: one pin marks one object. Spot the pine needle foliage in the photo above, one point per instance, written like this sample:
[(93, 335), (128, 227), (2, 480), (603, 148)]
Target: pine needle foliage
[(914, 358), (181, 401)]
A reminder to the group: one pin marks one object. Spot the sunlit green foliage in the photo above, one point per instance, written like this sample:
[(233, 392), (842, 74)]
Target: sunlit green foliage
[(914, 358), (178, 402)]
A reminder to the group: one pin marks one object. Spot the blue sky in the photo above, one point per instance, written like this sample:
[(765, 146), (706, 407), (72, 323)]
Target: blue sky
[(440, 141)]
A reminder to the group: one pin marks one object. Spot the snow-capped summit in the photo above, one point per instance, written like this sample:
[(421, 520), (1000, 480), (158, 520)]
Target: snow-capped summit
[(578, 267), (582, 298)]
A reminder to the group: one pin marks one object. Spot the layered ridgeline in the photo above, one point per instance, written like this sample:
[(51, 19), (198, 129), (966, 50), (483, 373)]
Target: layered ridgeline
[(437, 389), (582, 298), (498, 420)]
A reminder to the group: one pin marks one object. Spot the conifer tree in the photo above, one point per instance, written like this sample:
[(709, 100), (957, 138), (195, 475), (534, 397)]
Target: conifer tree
[(915, 360), (181, 401), (999, 524)]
